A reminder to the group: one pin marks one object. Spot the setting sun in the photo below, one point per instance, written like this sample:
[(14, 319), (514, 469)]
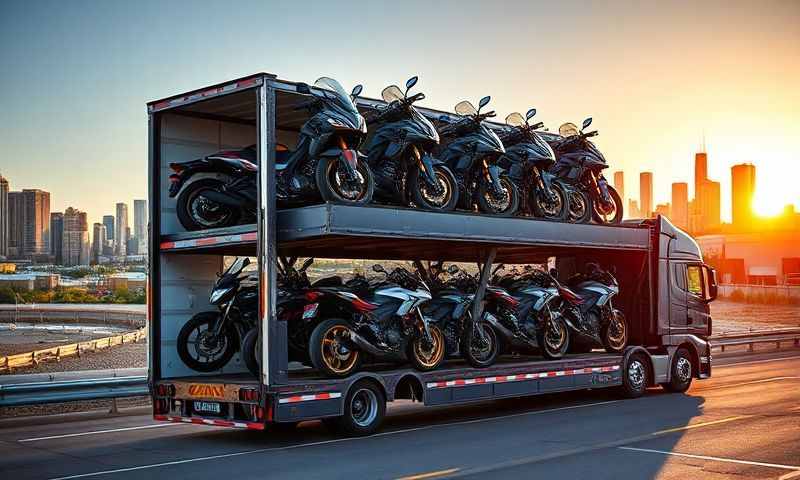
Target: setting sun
[(772, 195)]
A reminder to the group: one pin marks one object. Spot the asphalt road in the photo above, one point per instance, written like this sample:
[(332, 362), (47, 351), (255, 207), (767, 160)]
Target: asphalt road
[(744, 423)]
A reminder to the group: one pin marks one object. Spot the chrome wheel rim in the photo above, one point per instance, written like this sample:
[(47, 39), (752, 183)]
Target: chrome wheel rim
[(636, 374), (364, 407), (499, 204), (683, 369), (348, 190), (440, 196)]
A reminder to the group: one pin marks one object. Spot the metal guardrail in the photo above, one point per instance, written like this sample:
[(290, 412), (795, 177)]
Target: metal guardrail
[(17, 390)]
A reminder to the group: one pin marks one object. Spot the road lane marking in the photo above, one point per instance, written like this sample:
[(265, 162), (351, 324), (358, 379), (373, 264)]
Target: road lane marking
[(324, 442), (716, 459), (701, 424), (423, 476), (97, 432)]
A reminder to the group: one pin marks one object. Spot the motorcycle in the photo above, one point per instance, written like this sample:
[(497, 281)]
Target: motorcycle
[(451, 310), (586, 306), (580, 164), (400, 157), (379, 318), (528, 159), (209, 340), (522, 310), (472, 156), (220, 190)]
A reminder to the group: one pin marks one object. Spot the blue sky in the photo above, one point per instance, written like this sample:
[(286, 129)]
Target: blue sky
[(655, 76)]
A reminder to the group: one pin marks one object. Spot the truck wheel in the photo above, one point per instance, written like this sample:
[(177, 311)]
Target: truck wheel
[(251, 352), (681, 372), (329, 349), (334, 188), (364, 409), (635, 376)]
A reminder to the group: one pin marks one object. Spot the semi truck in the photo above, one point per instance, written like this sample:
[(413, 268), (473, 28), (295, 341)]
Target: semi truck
[(665, 288)]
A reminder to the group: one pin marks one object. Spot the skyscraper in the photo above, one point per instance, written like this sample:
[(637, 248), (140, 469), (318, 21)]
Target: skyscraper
[(140, 225), (98, 241), (680, 205), (29, 223), (75, 241), (3, 217), (633, 209), (108, 221), (700, 171), (646, 194), (57, 237), (710, 205), (120, 230), (743, 187), (619, 184)]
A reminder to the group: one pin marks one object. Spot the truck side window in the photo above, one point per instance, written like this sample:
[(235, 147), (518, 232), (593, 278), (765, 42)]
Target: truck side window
[(680, 275), (694, 277)]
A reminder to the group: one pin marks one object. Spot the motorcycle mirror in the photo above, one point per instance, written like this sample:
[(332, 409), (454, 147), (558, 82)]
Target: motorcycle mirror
[(357, 90), (378, 268), (554, 273), (586, 123), (246, 262), (484, 101), (452, 269), (411, 82), (303, 88), (530, 114)]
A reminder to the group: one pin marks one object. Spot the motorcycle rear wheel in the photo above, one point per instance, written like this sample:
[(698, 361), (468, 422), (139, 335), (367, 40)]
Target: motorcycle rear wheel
[(480, 356), (615, 333), (198, 213), (332, 187), (328, 353), (427, 357), (217, 352)]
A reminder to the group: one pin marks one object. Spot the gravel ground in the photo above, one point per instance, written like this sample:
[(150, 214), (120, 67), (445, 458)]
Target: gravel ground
[(131, 355)]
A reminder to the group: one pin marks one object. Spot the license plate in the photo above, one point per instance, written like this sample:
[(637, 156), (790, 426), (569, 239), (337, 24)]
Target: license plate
[(310, 310), (208, 407)]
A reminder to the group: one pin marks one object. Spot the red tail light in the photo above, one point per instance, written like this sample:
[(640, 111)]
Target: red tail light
[(260, 413), (249, 395), (312, 296), (174, 178), (165, 390)]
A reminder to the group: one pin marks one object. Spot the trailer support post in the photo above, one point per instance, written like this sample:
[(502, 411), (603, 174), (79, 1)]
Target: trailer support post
[(486, 271)]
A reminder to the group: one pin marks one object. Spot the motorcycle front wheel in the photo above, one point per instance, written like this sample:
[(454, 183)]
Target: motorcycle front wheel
[(200, 349), (427, 355), (335, 188), (553, 338), (480, 352), (610, 214), (196, 212), (556, 208), (329, 349), (615, 333), (580, 206), (505, 206), (442, 197)]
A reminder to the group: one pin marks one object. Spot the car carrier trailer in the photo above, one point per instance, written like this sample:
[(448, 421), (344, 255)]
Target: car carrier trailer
[(664, 285)]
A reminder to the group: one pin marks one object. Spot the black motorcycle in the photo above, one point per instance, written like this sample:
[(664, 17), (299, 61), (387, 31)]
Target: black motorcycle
[(380, 318), (209, 340), (400, 155), (587, 308), (451, 310), (580, 164), (528, 159), (220, 190), (472, 156), (521, 307)]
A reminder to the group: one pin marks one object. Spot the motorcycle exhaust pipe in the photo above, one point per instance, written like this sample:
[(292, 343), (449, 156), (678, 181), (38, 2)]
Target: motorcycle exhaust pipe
[(365, 345)]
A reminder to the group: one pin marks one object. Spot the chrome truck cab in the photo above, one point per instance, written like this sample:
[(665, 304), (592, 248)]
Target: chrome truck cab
[(685, 287)]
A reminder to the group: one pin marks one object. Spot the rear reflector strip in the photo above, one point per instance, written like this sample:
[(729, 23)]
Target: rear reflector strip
[(520, 377), (207, 421), (209, 241), (247, 82), (306, 398)]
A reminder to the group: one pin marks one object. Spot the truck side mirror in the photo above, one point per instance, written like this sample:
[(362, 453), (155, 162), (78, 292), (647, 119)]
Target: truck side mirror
[(711, 283)]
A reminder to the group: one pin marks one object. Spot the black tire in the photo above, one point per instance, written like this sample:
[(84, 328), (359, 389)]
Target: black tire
[(330, 191), (225, 351), (251, 353), (635, 376), (417, 186), (196, 213), (483, 355), (599, 217), (615, 333), (680, 372), (559, 212), (364, 410), (417, 351), (553, 338), (580, 206), (510, 207), (337, 360)]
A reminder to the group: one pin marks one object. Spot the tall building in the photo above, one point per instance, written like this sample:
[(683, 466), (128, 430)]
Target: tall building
[(710, 205), (108, 221), (646, 194), (29, 223), (680, 205), (3, 217), (633, 209), (75, 242), (121, 230), (664, 209), (704, 210), (743, 187), (98, 241), (619, 184), (700, 171), (140, 225), (57, 237)]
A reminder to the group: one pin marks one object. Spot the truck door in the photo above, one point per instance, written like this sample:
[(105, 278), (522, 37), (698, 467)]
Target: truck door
[(678, 315), (697, 311)]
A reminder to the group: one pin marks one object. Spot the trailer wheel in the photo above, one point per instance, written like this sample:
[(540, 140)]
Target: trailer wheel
[(635, 376), (364, 409), (681, 372)]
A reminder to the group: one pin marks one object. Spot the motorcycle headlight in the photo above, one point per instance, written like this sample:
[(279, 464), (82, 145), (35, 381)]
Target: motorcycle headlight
[(336, 123), (216, 295)]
